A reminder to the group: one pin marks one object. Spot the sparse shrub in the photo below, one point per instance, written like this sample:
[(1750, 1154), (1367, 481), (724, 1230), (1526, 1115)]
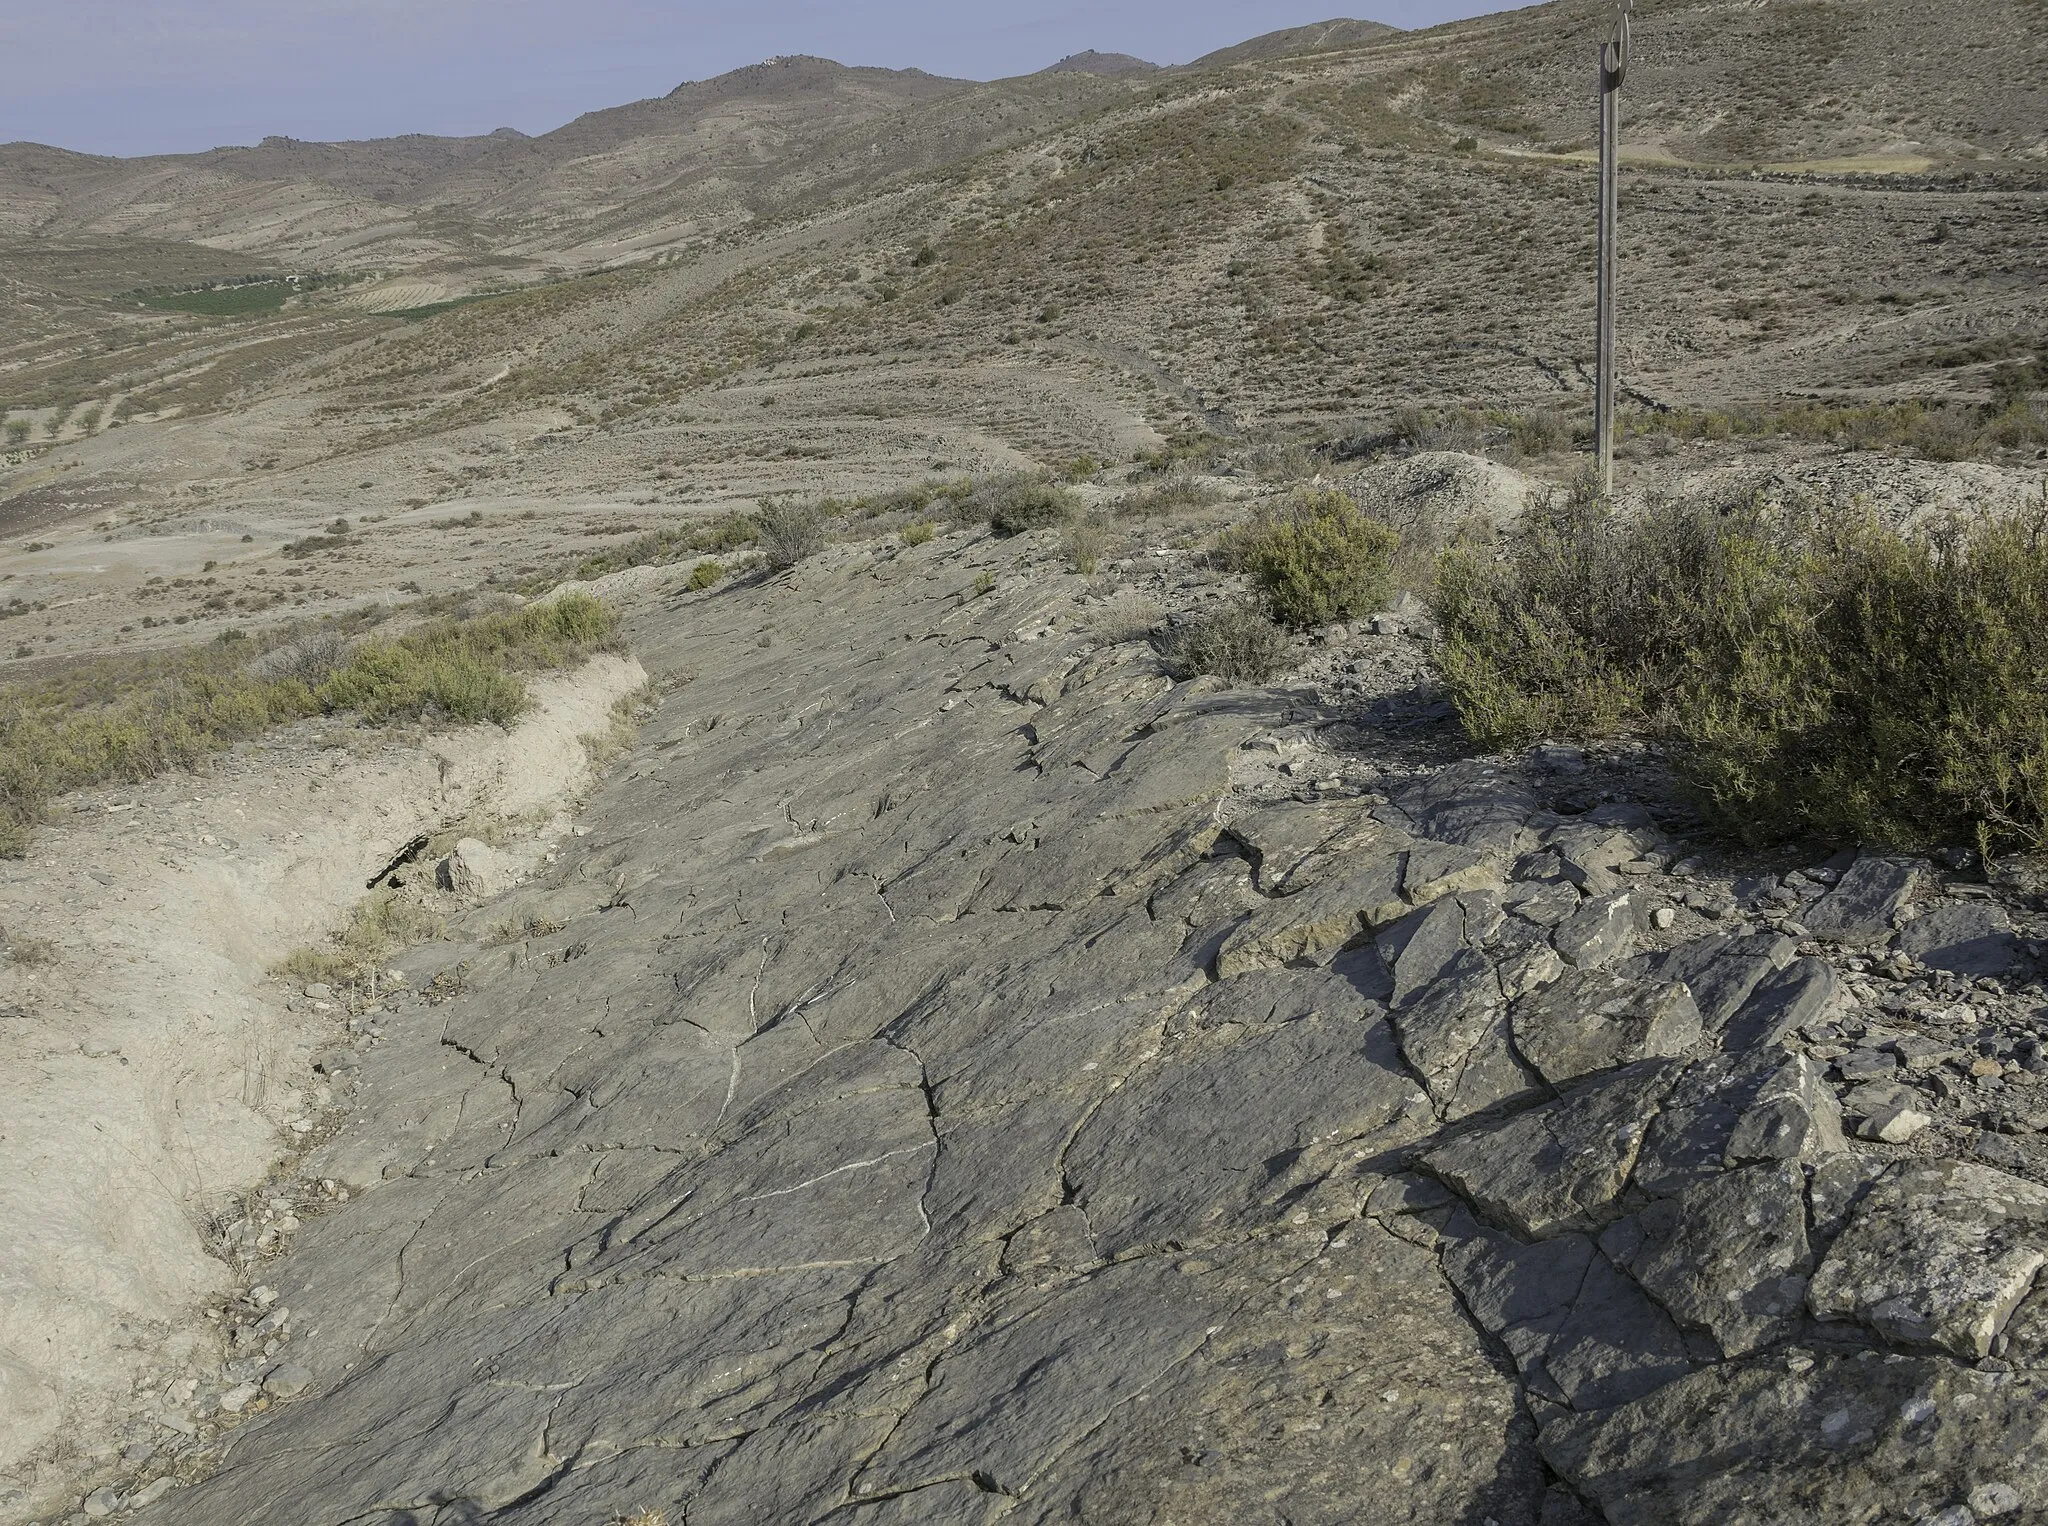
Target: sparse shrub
[(1179, 492), (1085, 541), (465, 670), (1316, 558), (1024, 503), (917, 533), (705, 574), (1543, 433), (1947, 434), (382, 923), (790, 532), (308, 660), (1127, 617), (1459, 429), (1238, 644), (1812, 672), (17, 431)]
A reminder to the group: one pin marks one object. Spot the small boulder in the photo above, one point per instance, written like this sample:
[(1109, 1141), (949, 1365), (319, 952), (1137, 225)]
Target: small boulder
[(287, 1380), (1600, 932), (1591, 1020), (1963, 938), (474, 868)]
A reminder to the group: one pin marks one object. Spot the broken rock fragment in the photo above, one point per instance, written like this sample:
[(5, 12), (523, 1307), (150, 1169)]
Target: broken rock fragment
[(1558, 1167), (1937, 1254), (1591, 1021), (1728, 1255)]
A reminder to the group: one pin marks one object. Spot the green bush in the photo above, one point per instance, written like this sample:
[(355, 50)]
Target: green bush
[(1238, 645), (1811, 672), (1023, 504), (918, 533), (1315, 559), (705, 574)]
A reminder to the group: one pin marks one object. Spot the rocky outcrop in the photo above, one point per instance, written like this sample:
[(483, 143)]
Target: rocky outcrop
[(970, 1082)]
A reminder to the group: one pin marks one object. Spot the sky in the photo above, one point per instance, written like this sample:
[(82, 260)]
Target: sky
[(177, 76)]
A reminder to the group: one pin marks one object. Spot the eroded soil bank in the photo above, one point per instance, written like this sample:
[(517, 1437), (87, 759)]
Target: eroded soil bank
[(156, 1070)]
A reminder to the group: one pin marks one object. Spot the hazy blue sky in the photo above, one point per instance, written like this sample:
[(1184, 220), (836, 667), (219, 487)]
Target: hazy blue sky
[(158, 76)]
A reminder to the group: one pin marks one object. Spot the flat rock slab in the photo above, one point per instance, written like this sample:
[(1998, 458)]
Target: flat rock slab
[(1328, 916), (1728, 1256), (950, 1099), (1212, 1130), (1592, 1021), (1559, 1167), (1861, 906), (1963, 937), (1826, 1440)]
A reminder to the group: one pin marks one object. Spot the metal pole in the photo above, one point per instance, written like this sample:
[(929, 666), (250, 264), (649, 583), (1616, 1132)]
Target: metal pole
[(1613, 69)]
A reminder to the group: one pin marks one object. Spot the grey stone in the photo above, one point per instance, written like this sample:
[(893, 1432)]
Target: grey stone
[(1472, 804), (1861, 1065), (1520, 1294), (1782, 1003), (1590, 1021), (1600, 932), (1964, 937), (1860, 908), (1290, 845), (1436, 869), (474, 868), (1900, 1122), (1454, 1034), (1204, 1136), (1545, 905), (1559, 1167), (1846, 1438), (1592, 853), (1937, 1254), (1615, 1345), (1735, 1110), (1722, 972), (288, 1380), (1328, 916), (1728, 1256)]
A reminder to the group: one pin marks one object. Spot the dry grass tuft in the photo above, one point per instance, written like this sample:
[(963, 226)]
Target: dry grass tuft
[(1238, 645), (112, 722)]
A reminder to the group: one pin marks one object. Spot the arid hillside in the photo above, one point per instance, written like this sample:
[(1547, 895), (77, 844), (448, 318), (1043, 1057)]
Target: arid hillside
[(806, 278)]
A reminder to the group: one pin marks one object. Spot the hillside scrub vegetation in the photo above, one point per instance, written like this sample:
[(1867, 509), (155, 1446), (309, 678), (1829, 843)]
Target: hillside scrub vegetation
[(1811, 672), (1018, 504), (789, 531), (1237, 644), (1315, 558), (112, 722)]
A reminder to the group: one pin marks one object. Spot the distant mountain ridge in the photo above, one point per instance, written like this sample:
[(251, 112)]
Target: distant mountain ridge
[(1092, 62), (1316, 37)]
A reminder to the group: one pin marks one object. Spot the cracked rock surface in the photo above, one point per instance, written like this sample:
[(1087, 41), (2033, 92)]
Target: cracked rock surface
[(967, 1080)]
